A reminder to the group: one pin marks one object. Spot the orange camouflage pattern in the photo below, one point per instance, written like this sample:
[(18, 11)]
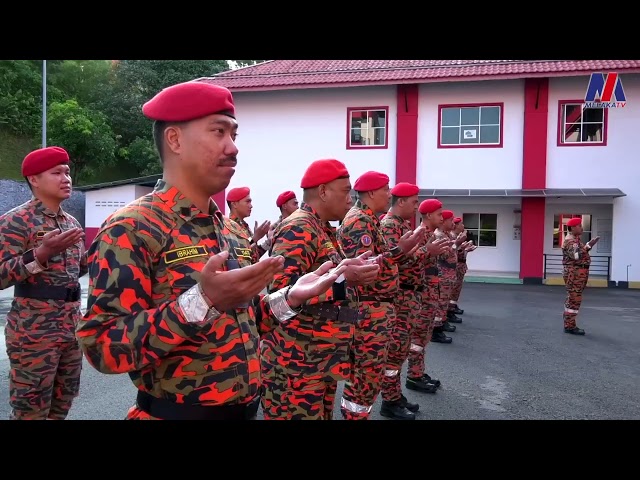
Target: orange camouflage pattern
[(447, 264), (243, 230), (303, 359), (44, 356), (143, 258), (576, 261), (360, 232), (429, 316), (461, 271), (408, 303)]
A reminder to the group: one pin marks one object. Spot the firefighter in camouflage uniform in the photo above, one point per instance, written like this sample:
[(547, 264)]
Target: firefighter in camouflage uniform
[(43, 257), (168, 295), (576, 261), (359, 233)]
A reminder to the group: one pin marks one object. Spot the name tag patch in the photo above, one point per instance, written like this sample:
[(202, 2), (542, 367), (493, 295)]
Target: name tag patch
[(41, 233), (242, 252), (184, 253)]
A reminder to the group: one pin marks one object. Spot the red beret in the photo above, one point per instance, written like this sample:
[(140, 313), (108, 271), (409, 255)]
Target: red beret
[(574, 221), (369, 181), (446, 214), (404, 189), (323, 171), (237, 194), (430, 205), (189, 101), (43, 159), (457, 220), (284, 197)]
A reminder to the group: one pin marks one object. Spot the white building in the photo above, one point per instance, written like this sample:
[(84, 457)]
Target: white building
[(508, 145)]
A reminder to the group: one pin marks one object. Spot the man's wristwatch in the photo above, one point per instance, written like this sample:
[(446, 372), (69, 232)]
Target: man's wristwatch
[(196, 306)]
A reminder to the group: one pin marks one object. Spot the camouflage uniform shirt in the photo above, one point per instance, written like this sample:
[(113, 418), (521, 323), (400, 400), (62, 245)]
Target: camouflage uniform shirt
[(244, 231), (575, 253), (144, 256), (360, 232), (308, 345), (21, 232)]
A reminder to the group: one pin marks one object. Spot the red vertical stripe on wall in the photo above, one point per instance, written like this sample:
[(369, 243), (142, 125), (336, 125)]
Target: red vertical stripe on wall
[(534, 175), (407, 135)]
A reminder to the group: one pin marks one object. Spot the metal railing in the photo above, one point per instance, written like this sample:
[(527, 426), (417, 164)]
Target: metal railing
[(600, 265)]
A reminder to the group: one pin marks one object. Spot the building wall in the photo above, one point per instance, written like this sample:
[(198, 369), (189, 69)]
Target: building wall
[(141, 191), (614, 165), (102, 203), (471, 167), (281, 133), (504, 258)]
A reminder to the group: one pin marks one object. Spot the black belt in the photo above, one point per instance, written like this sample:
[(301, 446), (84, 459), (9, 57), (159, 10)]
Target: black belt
[(333, 312), (431, 271), (374, 298), (47, 292), (415, 288), (168, 410)]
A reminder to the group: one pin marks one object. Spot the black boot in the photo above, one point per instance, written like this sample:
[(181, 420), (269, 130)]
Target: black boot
[(451, 317), (447, 327), (412, 407), (434, 381), (396, 410), (457, 310), (420, 385), (574, 331), (439, 336)]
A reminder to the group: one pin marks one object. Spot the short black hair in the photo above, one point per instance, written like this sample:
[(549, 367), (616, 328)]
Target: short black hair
[(394, 200), (159, 126)]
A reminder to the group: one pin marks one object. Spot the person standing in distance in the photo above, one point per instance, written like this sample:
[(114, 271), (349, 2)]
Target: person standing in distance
[(576, 261)]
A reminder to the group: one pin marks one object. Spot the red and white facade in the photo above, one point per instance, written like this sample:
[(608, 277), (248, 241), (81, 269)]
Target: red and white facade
[(490, 139)]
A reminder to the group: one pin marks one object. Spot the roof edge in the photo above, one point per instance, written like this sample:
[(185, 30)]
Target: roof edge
[(119, 183), (470, 78)]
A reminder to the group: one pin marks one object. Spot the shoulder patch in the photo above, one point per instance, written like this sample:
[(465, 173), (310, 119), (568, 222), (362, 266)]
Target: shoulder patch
[(183, 253), (366, 240)]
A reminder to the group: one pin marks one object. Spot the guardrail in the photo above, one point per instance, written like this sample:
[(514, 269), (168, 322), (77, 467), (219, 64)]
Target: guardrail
[(600, 265)]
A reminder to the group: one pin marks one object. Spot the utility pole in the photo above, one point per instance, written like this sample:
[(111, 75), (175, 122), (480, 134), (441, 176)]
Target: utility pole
[(44, 103)]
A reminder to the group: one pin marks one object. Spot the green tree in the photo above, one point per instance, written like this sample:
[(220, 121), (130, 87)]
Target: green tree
[(21, 96), (85, 134), (142, 154), (82, 80)]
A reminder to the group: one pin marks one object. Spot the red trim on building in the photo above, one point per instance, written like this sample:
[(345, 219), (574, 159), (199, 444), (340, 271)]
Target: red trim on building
[(367, 147), (578, 114), (534, 175), (89, 234), (221, 201), (407, 135), (471, 105)]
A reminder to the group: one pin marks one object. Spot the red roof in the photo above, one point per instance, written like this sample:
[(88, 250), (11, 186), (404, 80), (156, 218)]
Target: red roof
[(296, 74)]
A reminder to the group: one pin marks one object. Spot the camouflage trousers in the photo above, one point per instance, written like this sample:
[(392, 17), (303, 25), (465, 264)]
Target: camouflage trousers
[(461, 271), (369, 359), (407, 312), (575, 280), (296, 397), (447, 287), (421, 334), (44, 378)]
